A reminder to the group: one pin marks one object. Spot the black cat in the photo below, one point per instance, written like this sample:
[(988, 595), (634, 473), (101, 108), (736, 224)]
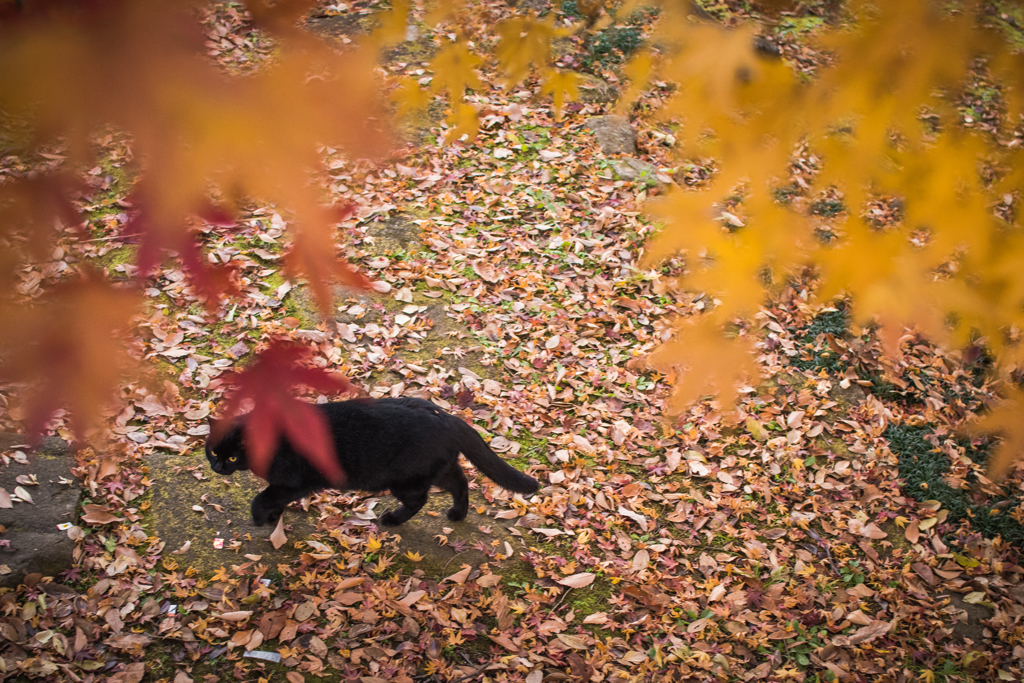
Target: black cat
[(401, 444)]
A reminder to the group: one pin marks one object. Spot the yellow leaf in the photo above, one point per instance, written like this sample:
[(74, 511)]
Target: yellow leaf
[(392, 25), (454, 70), (1005, 420), (410, 98), (414, 556), (710, 362), (524, 42), (560, 85), (441, 10), (463, 121), (638, 71), (755, 429), (901, 521), (373, 544)]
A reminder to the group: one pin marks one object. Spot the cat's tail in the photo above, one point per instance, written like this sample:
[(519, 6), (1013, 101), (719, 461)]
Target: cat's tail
[(487, 461)]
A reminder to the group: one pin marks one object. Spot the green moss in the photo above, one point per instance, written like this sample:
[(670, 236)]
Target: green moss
[(117, 256), (1008, 16)]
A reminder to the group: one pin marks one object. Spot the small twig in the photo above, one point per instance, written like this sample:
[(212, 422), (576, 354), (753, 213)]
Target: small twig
[(821, 544), (445, 567), (113, 237)]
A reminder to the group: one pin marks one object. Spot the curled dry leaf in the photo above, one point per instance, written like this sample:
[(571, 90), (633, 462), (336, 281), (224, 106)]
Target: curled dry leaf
[(640, 560), (869, 529), (5, 498), (24, 495)]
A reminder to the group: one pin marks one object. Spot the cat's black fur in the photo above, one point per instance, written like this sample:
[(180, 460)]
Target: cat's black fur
[(404, 445)]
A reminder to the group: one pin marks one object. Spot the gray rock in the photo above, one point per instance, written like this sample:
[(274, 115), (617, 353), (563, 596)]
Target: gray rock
[(36, 544), (634, 169), (614, 134)]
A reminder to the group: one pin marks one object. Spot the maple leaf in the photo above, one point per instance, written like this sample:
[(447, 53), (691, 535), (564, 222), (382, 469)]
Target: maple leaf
[(524, 42), (313, 253), (711, 361), (560, 85), (409, 97), (1006, 421), (69, 349), (454, 69), (277, 414), (392, 26), (211, 283), (33, 206)]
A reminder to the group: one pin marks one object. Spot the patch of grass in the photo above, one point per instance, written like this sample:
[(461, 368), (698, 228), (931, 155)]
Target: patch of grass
[(827, 207), (613, 46), (923, 467), (1009, 17), (820, 356), (794, 27), (117, 256)]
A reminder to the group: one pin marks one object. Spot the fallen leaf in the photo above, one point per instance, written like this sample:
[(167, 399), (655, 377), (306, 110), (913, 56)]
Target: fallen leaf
[(97, 514), (577, 580), (869, 530), (235, 616), (459, 576), (278, 539), (863, 635)]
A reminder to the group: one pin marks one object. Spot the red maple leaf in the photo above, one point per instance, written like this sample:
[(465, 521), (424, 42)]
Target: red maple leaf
[(268, 382), (159, 233)]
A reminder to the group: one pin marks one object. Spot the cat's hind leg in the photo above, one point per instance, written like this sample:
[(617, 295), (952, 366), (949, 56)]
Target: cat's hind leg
[(453, 480), (412, 500), (269, 503)]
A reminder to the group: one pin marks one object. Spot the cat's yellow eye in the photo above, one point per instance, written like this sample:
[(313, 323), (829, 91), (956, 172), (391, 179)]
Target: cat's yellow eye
[(232, 459)]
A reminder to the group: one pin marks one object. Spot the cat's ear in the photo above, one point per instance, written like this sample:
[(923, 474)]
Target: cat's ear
[(218, 427)]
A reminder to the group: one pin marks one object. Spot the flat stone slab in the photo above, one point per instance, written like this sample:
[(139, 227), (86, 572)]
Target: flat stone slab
[(34, 543)]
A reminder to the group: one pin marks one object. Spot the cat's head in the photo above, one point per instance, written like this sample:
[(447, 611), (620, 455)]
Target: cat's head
[(225, 446)]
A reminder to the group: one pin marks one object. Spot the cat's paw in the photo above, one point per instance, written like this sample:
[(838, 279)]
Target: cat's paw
[(456, 515), (261, 516), (390, 519)]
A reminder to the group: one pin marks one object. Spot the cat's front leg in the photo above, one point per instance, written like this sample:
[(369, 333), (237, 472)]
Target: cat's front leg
[(269, 504), (412, 499)]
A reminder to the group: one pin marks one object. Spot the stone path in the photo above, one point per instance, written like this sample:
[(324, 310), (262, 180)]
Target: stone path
[(30, 540)]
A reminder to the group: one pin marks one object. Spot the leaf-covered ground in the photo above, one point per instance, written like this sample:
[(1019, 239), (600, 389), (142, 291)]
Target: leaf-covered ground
[(836, 525)]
